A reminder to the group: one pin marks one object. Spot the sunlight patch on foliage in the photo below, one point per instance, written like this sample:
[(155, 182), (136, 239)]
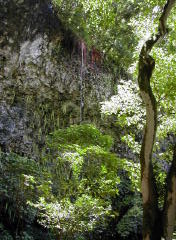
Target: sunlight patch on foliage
[(127, 105)]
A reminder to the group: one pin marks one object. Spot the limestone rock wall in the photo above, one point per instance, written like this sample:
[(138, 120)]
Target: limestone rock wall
[(40, 77)]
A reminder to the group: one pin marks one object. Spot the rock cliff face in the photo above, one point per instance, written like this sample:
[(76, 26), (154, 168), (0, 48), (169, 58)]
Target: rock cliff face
[(40, 85)]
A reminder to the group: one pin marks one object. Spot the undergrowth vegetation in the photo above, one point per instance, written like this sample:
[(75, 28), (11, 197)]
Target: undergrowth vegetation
[(78, 191)]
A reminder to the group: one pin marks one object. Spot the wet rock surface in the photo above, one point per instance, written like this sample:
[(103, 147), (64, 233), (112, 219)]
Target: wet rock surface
[(40, 77)]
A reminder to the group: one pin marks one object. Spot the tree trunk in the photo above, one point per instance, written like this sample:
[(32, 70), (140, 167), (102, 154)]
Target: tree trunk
[(148, 186), (152, 220), (169, 212)]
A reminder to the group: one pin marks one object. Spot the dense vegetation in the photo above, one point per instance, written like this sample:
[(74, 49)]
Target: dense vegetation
[(81, 188)]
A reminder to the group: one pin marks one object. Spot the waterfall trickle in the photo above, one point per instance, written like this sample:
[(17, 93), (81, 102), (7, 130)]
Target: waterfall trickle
[(83, 62)]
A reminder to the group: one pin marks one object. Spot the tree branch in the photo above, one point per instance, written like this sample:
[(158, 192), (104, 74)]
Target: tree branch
[(162, 29)]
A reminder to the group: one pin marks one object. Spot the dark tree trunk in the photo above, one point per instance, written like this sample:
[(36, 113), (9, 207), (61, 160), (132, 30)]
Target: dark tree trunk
[(169, 211)]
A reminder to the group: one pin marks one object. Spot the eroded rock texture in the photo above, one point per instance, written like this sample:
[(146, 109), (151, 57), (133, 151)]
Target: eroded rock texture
[(40, 77)]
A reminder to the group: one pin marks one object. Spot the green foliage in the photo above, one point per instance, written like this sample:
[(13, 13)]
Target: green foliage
[(73, 218), (22, 176), (4, 234), (131, 223), (82, 135), (21, 180), (86, 173), (102, 24), (165, 89), (85, 180), (127, 106)]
